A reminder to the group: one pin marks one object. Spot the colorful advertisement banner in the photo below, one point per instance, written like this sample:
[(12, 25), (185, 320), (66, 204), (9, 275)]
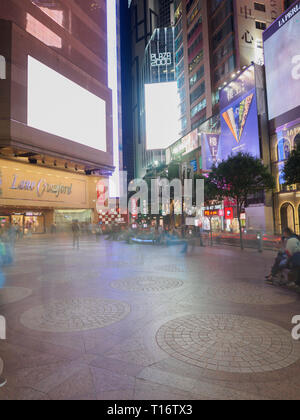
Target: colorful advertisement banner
[(239, 127), (282, 61)]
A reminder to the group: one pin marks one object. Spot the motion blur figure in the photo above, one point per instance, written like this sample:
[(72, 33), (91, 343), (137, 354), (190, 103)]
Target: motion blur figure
[(76, 233), (2, 257)]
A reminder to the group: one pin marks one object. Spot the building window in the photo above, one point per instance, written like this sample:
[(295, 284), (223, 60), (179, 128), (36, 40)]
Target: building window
[(195, 61), (225, 68), (195, 45), (201, 105), (226, 29), (197, 76), (260, 25), (199, 91), (180, 82), (195, 28), (260, 7)]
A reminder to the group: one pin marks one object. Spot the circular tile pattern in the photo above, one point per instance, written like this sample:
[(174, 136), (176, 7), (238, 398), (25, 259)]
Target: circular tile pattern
[(147, 284), (78, 314), (228, 343), (68, 276), (251, 294), (13, 294), (171, 268)]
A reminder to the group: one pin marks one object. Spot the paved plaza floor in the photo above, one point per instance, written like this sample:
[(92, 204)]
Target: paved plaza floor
[(113, 321)]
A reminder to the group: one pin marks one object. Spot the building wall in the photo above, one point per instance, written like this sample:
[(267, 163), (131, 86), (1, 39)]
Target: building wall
[(285, 195), (69, 37), (230, 41)]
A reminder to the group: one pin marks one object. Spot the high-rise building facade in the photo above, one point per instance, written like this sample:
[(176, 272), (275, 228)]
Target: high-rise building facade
[(146, 17), (214, 40), (56, 131), (158, 67)]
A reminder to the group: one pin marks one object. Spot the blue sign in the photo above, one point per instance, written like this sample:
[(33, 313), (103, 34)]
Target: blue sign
[(193, 164)]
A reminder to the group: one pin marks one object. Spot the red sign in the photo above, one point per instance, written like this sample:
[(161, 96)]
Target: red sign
[(228, 213)]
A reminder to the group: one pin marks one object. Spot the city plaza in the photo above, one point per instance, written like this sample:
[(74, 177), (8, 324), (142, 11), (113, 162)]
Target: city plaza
[(113, 321)]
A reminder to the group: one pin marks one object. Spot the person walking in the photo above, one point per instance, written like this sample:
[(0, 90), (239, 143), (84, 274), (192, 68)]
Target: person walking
[(76, 233)]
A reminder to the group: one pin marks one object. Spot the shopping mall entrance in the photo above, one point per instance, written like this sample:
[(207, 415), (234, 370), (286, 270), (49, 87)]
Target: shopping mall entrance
[(63, 218)]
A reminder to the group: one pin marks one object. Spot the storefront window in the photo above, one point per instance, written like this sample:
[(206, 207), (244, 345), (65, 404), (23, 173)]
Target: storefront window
[(283, 149)]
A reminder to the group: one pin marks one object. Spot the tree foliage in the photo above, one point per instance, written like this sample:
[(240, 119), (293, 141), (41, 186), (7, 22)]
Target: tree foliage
[(291, 169), (239, 177)]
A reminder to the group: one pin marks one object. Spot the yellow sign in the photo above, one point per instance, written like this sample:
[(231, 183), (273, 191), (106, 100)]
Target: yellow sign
[(22, 182)]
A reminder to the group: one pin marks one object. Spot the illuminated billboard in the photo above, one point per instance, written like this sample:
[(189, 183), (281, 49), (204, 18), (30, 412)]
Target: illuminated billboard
[(236, 128), (239, 120), (61, 107), (282, 62), (182, 147), (162, 115)]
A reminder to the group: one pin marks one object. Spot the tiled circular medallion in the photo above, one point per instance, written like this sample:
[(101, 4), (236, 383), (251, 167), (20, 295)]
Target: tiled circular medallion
[(228, 343), (251, 294), (171, 268), (13, 294), (147, 284), (68, 276), (78, 314)]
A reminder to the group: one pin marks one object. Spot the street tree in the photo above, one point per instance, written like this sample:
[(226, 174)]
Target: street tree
[(291, 169), (239, 177)]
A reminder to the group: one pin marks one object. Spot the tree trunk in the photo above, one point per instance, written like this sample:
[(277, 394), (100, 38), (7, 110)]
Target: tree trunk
[(240, 226), (210, 229)]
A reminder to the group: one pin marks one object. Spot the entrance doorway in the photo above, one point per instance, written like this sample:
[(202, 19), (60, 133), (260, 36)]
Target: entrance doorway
[(287, 217)]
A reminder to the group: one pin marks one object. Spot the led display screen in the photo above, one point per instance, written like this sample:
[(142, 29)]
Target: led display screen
[(59, 106), (282, 61), (162, 115)]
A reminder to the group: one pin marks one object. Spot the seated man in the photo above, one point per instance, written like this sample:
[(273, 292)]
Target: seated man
[(280, 263), (292, 249), (287, 258)]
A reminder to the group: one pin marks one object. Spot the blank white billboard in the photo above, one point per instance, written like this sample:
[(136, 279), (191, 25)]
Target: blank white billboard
[(61, 107), (162, 115)]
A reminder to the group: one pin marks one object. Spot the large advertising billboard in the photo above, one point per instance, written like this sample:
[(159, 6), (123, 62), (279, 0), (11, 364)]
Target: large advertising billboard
[(236, 128), (162, 115), (239, 121), (61, 107), (282, 62)]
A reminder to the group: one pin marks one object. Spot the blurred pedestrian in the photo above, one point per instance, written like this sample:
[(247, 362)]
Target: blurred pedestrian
[(2, 260), (98, 232), (76, 233), (53, 228)]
